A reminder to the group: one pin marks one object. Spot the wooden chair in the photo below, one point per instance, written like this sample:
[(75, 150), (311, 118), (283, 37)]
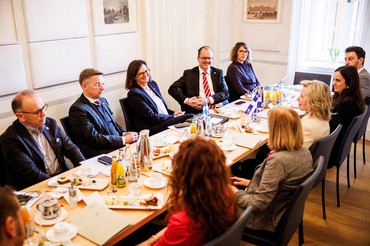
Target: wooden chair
[(292, 217), (323, 148), (233, 235), (126, 114), (345, 148)]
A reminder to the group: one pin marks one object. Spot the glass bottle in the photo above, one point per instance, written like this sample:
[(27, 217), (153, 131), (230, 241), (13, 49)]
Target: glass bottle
[(121, 180), (113, 171)]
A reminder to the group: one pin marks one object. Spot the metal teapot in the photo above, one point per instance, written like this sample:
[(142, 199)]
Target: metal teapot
[(144, 151)]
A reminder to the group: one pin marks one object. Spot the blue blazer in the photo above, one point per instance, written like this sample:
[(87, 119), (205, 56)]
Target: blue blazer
[(188, 86), (24, 161), (91, 130), (144, 112)]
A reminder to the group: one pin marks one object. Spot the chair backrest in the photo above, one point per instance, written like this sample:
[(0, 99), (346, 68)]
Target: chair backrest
[(293, 214), (68, 129), (323, 148), (233, 235), (299, 76), (126, 114), (363, 125), (345, 146)]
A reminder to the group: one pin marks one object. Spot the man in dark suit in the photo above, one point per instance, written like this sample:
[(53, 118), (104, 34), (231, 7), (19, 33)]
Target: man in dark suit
[(200, 83), (92, 120), (34, 146)]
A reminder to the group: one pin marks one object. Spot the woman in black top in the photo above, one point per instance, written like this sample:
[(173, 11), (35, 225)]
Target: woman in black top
[(347, 104)]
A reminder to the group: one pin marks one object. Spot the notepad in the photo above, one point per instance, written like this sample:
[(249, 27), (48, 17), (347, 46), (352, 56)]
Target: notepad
[(98, 223)]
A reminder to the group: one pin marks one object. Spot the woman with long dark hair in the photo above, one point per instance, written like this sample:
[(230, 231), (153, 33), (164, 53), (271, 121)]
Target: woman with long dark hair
[(347, 103), (201, 204)]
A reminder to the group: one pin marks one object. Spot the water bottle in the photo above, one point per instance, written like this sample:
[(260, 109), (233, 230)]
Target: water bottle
[(205, 111)]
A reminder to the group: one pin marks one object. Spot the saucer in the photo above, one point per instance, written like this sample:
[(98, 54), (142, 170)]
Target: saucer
[(72, 232), (41, 221), (229, 148), (217, 135), (262, 128), (149, 184), (93, 173)]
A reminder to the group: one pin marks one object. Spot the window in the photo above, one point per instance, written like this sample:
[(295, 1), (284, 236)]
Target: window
[(321, 25)]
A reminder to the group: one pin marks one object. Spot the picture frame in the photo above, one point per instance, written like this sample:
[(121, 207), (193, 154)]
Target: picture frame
[(114, 16), (262, 11)]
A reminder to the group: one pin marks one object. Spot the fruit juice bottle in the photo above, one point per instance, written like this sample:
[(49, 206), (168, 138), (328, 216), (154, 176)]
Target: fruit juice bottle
[(193, 127), (113, 171), (274, 97), (26, 218), (267, 98), (121, 180)]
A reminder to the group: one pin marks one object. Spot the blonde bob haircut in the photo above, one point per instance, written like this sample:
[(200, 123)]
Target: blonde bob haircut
[(319, 99), (285, 129)]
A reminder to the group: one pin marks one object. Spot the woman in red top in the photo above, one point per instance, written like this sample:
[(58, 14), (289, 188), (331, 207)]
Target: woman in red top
[(199, 207)]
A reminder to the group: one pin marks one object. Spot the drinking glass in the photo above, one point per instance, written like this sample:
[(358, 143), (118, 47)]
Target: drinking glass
[(134, 182), (333, 54)]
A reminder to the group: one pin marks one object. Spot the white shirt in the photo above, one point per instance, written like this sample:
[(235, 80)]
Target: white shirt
[(158, 101), (210, 84)]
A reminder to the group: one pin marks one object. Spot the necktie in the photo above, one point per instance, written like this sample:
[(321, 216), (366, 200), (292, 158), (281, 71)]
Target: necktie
[(207, 91), (97, 103)]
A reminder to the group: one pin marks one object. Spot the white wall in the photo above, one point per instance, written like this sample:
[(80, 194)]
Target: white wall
[(44, 44)]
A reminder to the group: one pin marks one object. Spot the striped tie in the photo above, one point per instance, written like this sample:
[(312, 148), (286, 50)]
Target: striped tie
[(207, 91)]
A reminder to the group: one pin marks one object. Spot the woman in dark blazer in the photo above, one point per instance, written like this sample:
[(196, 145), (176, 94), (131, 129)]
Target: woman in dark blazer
[(147, 106), (347, 104)]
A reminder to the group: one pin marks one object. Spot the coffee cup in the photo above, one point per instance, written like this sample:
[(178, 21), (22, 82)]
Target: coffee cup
[(155, 179), (49, 208), (86, 169), (227, 144), (61, 231)]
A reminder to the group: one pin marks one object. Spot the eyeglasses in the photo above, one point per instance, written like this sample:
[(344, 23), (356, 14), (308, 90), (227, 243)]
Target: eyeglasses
[(146, 72), (206, 58), (98, 85), (244, 51), (37, 112)]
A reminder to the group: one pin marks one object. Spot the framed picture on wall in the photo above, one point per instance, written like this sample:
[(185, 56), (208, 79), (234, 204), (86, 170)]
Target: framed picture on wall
[(114, 16), (262, 11)]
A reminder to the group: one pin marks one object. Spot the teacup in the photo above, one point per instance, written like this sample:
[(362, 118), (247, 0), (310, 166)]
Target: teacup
[(155, 179), (61, 231), (227, 144), (86, 169), (49, 208)]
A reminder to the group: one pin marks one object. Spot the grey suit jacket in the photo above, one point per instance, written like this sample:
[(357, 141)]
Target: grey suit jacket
[(273, 184), (365, 82), (24, 161)]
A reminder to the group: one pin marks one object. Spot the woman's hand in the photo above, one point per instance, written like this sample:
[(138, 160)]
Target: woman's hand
[(240, 181), (233, 189), (178, 113)]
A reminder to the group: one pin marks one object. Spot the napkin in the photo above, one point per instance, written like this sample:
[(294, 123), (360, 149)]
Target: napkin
[(103, 169), (98, 223), (80, 196)]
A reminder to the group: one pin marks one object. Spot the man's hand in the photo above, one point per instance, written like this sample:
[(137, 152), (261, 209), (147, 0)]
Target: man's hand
[(193, 102), (240, 181), (178, 113), (130, 137)]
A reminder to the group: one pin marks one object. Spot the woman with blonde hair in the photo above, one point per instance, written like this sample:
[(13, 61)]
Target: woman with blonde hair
[(315, 100), (201, 204), (240, 77), (279, 175)]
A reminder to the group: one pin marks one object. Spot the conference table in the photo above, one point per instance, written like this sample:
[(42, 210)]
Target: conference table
[(141, 217)]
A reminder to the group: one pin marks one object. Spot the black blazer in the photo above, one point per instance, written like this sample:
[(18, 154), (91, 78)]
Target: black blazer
[(91, 129), (188, 86), (24, 160), (146, 111)]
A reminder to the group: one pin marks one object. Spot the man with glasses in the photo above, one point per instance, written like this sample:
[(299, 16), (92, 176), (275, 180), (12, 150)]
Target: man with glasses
[(92, 119), (355, 56), (201, 83), (34, 146)]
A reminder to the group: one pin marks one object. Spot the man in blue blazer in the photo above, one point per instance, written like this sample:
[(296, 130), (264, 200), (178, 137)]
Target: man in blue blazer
[(92, 120), (34, 146), (190, 92)]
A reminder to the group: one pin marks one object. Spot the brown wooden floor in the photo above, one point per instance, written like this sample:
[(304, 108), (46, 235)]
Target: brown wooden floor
[(350, 223)]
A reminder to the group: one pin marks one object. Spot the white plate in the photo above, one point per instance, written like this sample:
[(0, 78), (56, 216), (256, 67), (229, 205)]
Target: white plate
[(133, 202), (41, 221), (166, 140), (160, 186), (262, 128), (93, 173), (229, 148), (165, 154), (72, 232), (87, 183), (165, 167), (217, 135)]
